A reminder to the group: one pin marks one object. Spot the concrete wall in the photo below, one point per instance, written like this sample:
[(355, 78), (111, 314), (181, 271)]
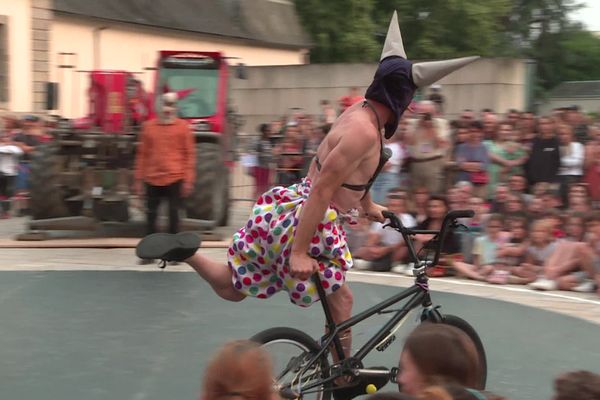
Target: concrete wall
[(134, 48), (587, 104), (17, 15), (271, 91)]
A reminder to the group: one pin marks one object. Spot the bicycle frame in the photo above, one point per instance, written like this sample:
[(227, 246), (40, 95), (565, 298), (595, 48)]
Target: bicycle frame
[(418, 294)]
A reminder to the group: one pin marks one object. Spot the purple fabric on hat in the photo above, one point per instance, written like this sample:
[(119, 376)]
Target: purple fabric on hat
[(393, 86)]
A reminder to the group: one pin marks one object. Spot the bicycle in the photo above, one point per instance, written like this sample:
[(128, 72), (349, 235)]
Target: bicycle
[(309, 371)]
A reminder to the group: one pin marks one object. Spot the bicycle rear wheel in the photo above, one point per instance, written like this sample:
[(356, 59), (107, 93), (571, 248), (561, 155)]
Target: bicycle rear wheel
[(290, 351), (464, 326)]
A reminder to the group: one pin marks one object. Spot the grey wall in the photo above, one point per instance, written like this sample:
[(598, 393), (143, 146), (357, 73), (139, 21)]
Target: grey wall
[(270, 91)]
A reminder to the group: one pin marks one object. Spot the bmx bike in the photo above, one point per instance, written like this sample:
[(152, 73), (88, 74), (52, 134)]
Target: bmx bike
[(301, 363)]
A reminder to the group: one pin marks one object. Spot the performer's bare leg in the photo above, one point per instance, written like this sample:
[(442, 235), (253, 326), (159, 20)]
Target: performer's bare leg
[(218, 275), (340, 303)]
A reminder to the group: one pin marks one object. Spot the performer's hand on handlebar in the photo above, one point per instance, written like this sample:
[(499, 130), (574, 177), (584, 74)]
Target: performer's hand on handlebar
[(302, 266), (375, 212)]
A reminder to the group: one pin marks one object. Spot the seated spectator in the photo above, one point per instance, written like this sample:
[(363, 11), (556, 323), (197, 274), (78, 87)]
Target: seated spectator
[(357, 235), (465, 191), (240, 369), (472, 159), (485, 252), (565, 268), (385, 247), (418, 208), (474, 227), (535, 209), (541, 247), (511, 253), (437, 208), (551, 198), (515, 205), (454, 361), (498, 204), (518, 184), (577, 385), (455, 392)]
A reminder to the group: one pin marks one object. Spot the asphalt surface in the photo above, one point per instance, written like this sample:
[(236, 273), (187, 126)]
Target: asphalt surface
[(95, 335)]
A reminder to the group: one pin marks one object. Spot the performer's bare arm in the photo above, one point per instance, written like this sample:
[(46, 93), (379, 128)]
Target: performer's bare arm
[(342, 161)]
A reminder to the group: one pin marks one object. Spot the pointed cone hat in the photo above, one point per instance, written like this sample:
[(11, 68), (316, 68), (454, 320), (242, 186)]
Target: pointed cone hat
[(426, 73), (393, 41)]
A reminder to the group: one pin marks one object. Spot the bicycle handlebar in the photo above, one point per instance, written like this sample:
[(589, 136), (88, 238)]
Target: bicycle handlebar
[(450, 218)]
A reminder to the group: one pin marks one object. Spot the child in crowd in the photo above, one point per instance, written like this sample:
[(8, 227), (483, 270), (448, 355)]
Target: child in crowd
[(512, 253), (541, 247), (484, 251), (474, 226)]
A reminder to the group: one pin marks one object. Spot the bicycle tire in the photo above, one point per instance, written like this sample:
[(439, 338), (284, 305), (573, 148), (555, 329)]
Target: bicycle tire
[(301, 340), (464, 326)]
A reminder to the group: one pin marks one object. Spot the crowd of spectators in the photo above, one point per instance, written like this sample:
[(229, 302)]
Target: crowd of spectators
[(18, 140), (533, 181)]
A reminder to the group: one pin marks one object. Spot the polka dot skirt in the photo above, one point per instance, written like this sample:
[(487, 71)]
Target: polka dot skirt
[(259, 253)]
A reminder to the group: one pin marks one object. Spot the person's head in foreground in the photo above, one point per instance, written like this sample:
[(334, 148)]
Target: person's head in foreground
[(577, 385), (435, 354), (240, 370), (455, 392)]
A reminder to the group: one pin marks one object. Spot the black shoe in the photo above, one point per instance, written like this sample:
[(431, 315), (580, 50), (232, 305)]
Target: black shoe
[(358, 387), (168, 246)]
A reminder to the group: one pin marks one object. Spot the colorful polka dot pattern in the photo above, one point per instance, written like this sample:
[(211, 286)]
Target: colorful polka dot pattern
[(259, 253)]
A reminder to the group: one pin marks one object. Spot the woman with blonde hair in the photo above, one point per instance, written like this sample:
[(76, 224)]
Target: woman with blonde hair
[(240, 370)]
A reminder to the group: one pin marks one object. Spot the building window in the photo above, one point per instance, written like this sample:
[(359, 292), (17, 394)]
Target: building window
[(3, 59)]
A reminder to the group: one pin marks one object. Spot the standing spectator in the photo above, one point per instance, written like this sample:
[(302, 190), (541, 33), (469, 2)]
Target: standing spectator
[(389, 177), (571, 160), (427, 149), (577, 122), (290, 156), (27, 139), (527, 127), (165, 163), (262, 170), (490, 125), (327, 113), (437, 97), (9, 162), (592, 165), (544, 160), (348, 100), (507, 157), (472, 159)]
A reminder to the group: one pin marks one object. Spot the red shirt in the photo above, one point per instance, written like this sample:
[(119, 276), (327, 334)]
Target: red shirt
[(166, 153)]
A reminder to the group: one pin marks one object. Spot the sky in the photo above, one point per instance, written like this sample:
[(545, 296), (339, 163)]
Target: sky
[(589, 15)]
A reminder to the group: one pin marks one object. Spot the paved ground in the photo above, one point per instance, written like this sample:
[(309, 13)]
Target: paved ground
[(85, 323)]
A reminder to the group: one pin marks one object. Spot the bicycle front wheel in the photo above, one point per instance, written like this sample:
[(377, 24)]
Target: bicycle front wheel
[(291, 350)]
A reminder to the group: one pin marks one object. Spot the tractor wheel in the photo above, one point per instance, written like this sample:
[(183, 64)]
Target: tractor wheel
[(46, 196), (206, 201)]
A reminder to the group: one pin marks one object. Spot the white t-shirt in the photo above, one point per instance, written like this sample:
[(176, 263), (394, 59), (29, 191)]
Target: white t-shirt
[(9, 159), (395, 162), (390, 237), (572, 163)]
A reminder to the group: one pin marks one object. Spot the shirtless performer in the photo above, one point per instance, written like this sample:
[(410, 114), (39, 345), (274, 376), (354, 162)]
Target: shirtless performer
[(295, 231)]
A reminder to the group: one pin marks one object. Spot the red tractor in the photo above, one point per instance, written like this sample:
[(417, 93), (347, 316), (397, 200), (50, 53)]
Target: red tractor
[(86, 172)]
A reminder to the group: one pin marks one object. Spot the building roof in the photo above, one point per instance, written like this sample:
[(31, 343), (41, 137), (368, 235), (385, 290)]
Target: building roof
[(576, 89), (273, 22)]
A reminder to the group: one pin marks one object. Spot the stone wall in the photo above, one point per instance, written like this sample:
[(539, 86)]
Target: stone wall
[(271, 91)]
